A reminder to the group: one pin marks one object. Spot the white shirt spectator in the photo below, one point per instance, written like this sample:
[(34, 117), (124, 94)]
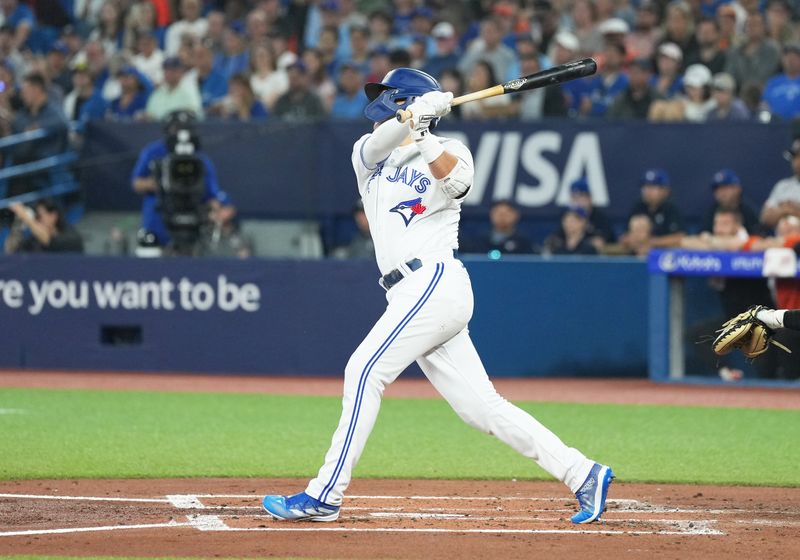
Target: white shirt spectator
[(269, 88), (177, 30), (785, 190), (151, 66)]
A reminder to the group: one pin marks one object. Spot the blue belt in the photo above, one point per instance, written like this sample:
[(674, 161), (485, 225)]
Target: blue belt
[(392, 278)]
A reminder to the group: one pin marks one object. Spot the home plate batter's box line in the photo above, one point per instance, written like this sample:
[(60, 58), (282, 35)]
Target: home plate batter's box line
[(216, 523)]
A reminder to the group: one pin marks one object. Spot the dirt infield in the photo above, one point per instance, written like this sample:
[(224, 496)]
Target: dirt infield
[(403, 519), (395, 519)]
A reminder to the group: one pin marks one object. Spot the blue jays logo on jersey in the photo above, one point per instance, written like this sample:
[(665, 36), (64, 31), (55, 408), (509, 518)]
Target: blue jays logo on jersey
[(411, 177), (409, 208)]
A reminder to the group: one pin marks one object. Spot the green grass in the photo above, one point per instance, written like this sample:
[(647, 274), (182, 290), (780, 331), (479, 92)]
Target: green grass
[(99, 434)]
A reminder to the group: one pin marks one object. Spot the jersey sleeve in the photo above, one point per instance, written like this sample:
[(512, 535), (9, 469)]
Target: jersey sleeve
[(359, 166), (774, 195), (142, 167)]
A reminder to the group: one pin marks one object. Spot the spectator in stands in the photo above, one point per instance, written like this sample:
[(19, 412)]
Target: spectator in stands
[(144, 182), (210, 82), (9, 54), (447, 53), (655, 202), (56, 68), (779, 22), (320, 81), (215, 34), (361, 246), (584, 28), (599, 227), (500, 106), (573, 237), (9, 100), (84, 102), (708, 42), (608, 85), (635, 241), (235, 58), (727, 190), (668, 81), (228, 241), (110, 29), (489, 48), (679, 27), (359, 48), (646, 33), (37, 112), (132, 101), (47, 230), (727, 107), (782, 92), (268, 82), (240, 104), (736, 294), (299, 103), (142, 18), (784, 199), (543, 102), (328, 47), (192, 23), (149, 59), (694, 105), (175, 94), (451, 80), (504, 237), (349, 103), (18, 17), (635, 101), (380, 30), (726, 19), (757, 58)]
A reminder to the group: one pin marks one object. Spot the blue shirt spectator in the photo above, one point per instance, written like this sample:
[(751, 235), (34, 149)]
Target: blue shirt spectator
[(349, 103), (151, 217), (605, 88), (85, 102), (782, 92), (18, 16), (447, 54), (132, 102), (236, 58)]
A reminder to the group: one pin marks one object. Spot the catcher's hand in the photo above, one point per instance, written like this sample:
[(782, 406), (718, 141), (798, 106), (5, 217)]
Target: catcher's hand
[(746, 333)]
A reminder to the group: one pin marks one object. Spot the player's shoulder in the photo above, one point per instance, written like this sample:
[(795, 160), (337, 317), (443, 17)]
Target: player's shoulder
[(456, 147)]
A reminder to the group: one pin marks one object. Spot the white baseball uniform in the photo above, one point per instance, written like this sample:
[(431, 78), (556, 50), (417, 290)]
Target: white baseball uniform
[(411, 217)]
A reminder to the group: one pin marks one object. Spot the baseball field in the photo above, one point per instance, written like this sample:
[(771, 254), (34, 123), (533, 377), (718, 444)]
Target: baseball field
[(125, 465)]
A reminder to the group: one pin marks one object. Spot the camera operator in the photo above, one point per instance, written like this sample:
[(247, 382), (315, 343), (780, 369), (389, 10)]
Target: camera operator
[(182, 196)]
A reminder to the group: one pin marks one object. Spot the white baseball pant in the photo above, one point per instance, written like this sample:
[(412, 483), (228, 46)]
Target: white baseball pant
[(426, 320)]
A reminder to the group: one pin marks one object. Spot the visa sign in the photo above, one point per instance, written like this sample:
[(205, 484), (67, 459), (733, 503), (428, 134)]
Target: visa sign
[(541, 182)]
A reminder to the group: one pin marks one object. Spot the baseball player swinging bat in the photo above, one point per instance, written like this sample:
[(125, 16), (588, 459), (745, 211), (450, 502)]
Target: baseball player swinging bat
[(556, 75)]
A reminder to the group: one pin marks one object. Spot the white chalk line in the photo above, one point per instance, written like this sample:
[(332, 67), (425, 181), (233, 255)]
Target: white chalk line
[(85, 498), (91, 529)]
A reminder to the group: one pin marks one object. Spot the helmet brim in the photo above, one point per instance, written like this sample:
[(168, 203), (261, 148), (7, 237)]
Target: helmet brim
[(374, 89)]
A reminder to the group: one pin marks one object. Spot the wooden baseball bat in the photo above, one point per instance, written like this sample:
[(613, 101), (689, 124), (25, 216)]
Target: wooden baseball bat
[(556, 75)]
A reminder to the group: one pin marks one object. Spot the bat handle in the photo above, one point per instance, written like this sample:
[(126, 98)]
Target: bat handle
[(403, 115)]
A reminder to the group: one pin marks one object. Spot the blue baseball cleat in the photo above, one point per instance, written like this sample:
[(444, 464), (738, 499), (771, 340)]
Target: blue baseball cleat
[(592, 494), (300, 507)]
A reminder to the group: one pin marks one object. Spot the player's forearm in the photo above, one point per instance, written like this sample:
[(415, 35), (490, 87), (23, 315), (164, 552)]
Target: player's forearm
[(144, 185), (382, 141), (770, 215)]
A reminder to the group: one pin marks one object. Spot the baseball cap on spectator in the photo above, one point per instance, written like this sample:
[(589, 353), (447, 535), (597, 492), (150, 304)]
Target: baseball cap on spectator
[(697, 75), (793, 150), (579, 186), (238, 27), (422, 11), (567, 40), (671, 50), (655, 177), (443, 30), (578, 211), (329, 5), (172, 62), (724, 177), (723, 82), (128, 70), (503, 9), (59, 47), (613, 26)]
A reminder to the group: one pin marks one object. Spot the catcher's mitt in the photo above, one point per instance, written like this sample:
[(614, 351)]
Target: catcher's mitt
[(746, 333)]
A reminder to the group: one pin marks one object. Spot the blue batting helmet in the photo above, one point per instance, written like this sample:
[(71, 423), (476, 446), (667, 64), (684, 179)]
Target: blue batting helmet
[(398, 88)]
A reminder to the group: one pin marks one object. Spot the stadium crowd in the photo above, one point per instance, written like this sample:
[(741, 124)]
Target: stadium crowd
[(308, 59)]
